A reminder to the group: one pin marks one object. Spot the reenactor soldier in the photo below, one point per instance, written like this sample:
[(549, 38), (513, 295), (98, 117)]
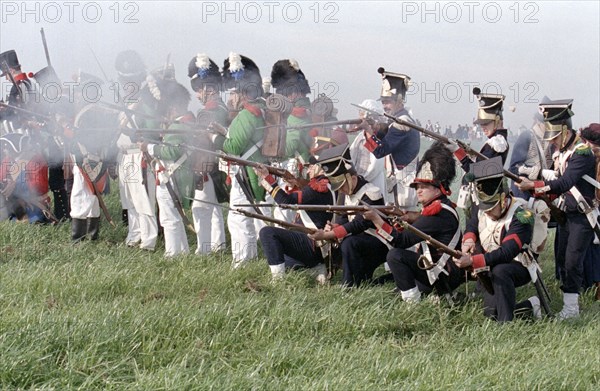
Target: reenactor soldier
[(591, 135), (363, 247), (438, 218), (497, 240), (137, 187), (174, 179), (21, 93), (398, 144), (280, 244), (206, 81), (574, 163), (242, 77)]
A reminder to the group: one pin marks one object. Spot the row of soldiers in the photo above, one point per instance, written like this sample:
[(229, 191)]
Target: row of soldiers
[(165, 157)]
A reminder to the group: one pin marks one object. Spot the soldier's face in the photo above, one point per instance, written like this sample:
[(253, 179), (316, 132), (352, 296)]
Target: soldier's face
[(391, 105), (489, 128), (427, 193)]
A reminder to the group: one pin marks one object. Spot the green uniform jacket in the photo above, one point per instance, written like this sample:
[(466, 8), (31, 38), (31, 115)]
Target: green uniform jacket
[(297, 140), (242, 136)]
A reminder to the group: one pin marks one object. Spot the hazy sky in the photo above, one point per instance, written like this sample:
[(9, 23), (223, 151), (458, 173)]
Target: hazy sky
[(524, 49)]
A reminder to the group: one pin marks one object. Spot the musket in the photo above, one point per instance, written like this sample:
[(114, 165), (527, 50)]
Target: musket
[(45, 47), (32, 113), (149, 131), (316, 124), (426, 264), (126, 110), (282, 223), (558, 214), (280, 172), (389, 210)]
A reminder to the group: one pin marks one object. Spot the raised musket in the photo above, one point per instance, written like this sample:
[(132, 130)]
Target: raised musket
[(282, 223), (389, 210), (555, 211), (280, 172), (46, 52), (317, 124)]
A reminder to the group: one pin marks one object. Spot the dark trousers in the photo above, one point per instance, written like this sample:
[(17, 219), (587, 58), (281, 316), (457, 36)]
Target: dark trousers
[(573, 240), (506, 277), (361, 255), (281, 244), (406, 271)]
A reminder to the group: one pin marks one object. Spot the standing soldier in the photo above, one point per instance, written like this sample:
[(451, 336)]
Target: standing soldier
[(489, 117), (573, 161), (171, 165), (136, 180), (243, 139), (398, 144), (206, 81)]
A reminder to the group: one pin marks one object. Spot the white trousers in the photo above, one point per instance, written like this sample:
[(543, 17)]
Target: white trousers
[(243, 230), (84, 204), (208, 220), (173, 228), (139, 201)]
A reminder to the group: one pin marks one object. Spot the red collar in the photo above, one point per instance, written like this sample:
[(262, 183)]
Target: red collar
[(255, 110), (20, 77)]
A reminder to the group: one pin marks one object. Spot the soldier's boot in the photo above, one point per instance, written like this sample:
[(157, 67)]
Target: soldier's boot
[(570, 306), (412, 295), (93, 227), (277, 272), (78, 229), (61, 204)]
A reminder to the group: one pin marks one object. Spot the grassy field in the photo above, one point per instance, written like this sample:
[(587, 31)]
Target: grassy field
[(99, 315)]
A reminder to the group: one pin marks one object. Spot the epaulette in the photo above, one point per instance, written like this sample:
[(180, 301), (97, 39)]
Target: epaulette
[(432, 209), (583, 149), (525, 216)]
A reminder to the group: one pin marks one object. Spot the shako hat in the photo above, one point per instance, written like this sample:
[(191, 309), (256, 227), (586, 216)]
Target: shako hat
[(393, 84), (490, 107), (557, 117), (490, 186), (336, 164)]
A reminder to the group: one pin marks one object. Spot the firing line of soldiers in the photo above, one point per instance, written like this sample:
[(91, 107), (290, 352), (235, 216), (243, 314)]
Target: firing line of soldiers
[(167, 157)]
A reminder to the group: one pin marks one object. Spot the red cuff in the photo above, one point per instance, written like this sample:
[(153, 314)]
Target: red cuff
[(371, 144), (271, 180), (478, 261), (469, 235), (387, 228), (340, 232), (460, 154)]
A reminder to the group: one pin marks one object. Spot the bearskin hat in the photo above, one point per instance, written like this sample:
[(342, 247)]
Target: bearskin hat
[(202, 71), (436, 168), (592, 134), (288, 78), (242, 74)]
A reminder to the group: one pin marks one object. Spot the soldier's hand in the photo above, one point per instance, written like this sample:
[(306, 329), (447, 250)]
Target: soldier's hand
[(452, 146), (322, 235), (143, 146), (464, 261), (374, 217), (261, 171), (525, 184), (468, 246), (410, 216)]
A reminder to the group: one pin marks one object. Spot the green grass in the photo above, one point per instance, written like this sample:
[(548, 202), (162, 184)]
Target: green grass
[(99, 315)]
